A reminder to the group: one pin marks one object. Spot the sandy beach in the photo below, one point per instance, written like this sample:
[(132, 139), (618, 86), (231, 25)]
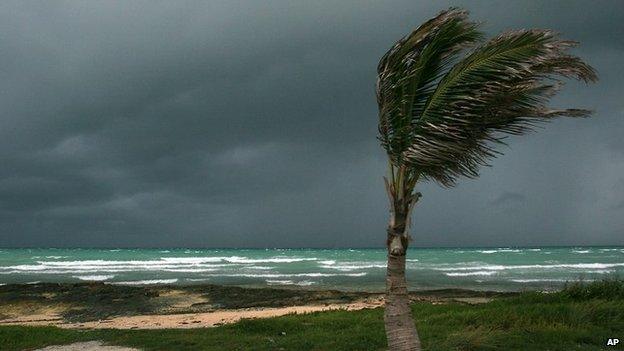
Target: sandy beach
[(105, 306), (183, 321), (106, 317)]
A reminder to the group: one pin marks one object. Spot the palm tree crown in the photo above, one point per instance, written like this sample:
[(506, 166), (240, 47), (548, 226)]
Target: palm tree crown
[(444, 109), (441, 115)]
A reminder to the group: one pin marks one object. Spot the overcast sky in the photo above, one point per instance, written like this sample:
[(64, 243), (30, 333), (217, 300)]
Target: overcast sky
[(253, 124)]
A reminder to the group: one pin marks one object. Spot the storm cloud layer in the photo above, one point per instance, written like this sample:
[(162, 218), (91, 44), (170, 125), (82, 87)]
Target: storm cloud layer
[(253, 124)]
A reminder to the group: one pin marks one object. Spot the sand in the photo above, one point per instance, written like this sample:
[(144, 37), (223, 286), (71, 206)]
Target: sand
[(101, 306), (184, 320), (86, 346)]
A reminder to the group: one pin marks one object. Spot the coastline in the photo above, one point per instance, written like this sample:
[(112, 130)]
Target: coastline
[(91, 317), (99, 305)]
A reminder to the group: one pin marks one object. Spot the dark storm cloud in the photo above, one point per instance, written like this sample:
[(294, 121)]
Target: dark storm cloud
[(254, 124)]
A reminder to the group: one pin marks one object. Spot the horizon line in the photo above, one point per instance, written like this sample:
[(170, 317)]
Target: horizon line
[(300, 247)]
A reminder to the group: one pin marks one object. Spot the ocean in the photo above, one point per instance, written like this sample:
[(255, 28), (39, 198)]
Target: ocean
[(503, 269)]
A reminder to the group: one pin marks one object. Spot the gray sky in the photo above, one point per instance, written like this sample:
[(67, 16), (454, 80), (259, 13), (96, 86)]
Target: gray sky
[(253, 124)]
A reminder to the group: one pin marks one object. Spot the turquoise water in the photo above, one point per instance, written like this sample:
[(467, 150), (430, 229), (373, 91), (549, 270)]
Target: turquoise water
[(348, 269)]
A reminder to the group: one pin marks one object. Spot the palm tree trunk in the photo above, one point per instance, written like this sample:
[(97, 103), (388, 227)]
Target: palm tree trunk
[(400, 328)]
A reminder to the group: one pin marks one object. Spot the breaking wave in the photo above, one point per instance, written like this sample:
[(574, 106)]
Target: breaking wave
[(165, 264), (289, 282), (147, 282), (95, 278), (289, 275), (499, 250), (465, 274), (351, 266), (491, 268), (531, 266), (544, 280)]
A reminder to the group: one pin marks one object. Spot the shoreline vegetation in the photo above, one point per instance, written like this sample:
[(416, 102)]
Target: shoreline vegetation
[(97, 304), (581, 316)]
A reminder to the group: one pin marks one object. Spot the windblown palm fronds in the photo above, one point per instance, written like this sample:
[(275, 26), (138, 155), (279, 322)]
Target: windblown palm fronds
[(444, 109), (441, 116)]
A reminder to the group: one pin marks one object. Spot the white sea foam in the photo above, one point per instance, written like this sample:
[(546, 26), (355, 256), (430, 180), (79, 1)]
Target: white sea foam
[(532, 266), (166, 263), (279, 282), (49, 268), (192, 259), (147, 282), (235, 259), (96, 278), (213, 264), (581, 251), (111, 271), (544, 280), (465, 274), (260, 267), (289, 275), (600, 271), (289, 282), (499, 250), (189, 270), (353, 267), (308, 268)]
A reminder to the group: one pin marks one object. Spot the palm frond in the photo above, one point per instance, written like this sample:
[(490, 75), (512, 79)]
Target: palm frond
[(452, 124), (408, 71)]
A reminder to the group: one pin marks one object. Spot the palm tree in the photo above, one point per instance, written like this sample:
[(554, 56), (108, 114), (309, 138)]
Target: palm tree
[(442, 111)]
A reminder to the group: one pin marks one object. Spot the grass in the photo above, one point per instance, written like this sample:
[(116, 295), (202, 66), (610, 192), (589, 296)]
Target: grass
[(581, 317)]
